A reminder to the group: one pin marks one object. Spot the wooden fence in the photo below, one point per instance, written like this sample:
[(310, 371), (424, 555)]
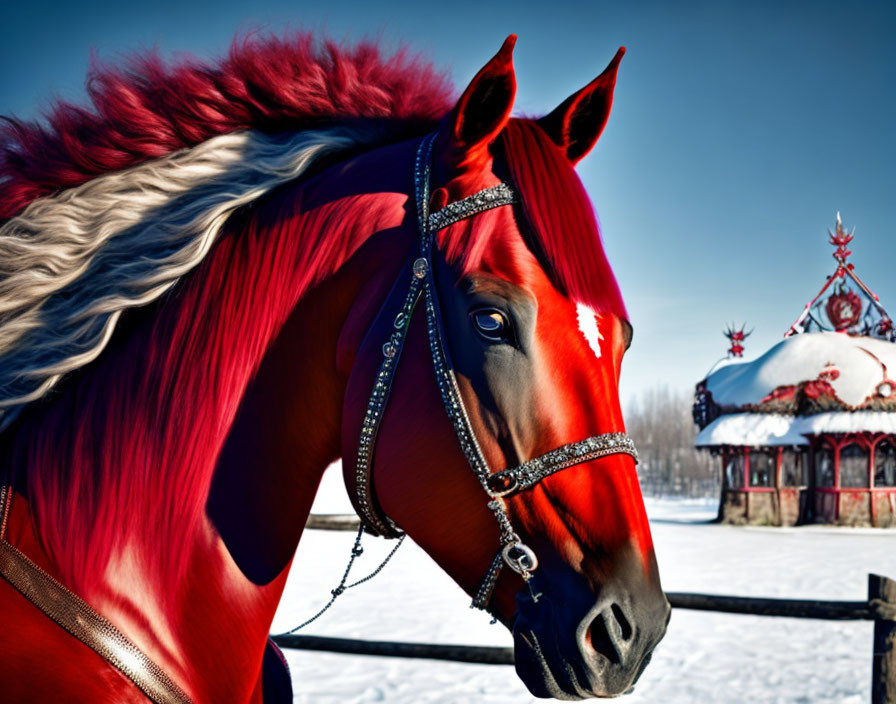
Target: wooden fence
[(880, 608)]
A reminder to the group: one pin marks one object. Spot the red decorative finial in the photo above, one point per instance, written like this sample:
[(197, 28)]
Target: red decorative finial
[(840, 240), (736, 338)]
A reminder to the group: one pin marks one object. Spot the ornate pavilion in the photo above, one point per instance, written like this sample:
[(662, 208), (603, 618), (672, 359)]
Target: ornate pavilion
[(807, 432)]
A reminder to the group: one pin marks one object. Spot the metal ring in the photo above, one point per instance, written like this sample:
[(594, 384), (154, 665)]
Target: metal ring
[(421, 267), (523, 562)]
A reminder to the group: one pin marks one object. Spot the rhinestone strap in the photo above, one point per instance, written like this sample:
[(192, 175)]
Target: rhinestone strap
[(528, 474), (447, 382), (484, 594), (486, 199), (375, 520), (4, 510)]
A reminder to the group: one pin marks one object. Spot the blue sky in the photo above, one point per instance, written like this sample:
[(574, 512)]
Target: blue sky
[(738, 131)]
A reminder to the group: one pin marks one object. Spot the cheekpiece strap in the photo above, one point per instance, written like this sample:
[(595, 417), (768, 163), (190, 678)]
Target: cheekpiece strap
[(374, 519), (422, 288)]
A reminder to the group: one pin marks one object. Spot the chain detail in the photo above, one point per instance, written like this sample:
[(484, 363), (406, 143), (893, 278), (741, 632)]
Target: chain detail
[(499, 508), (342, 587)]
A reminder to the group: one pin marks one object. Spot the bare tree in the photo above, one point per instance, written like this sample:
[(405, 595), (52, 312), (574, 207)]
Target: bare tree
[(661, 425)]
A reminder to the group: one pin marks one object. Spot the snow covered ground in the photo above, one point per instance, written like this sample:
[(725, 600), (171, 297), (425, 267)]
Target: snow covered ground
[(705, 657)]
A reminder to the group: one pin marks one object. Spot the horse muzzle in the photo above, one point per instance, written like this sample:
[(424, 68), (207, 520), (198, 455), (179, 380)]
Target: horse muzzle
[(565, 648)]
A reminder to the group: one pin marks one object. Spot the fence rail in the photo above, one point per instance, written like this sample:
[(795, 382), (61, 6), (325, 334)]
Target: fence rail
[(879, 608), (480, 654), (786, 608), (333, 521)]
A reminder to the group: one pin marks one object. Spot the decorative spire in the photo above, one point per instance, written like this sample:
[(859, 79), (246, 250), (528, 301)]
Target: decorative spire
[(845, 303), (736, 338), (840, 240)]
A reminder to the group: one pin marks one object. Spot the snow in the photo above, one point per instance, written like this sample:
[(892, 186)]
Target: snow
[(754, 429), (860, 361), (872, 421), (750, 429), (705, 657)]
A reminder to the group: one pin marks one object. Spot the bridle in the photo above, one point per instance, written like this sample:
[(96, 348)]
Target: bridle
[(498, 485)]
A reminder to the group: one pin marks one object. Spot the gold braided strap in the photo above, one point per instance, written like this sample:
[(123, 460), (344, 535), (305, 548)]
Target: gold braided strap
[(74, 615)]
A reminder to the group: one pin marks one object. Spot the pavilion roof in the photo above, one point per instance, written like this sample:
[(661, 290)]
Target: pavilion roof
[(830, 373)]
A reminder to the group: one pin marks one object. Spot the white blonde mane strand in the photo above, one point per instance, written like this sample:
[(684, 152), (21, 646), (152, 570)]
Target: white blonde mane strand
[(72, 262)]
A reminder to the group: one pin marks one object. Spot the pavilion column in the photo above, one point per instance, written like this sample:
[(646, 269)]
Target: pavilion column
[(836, 446), (779, 514), (872, 506)]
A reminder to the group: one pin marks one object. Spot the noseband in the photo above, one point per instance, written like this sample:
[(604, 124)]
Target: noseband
[(498, 485)]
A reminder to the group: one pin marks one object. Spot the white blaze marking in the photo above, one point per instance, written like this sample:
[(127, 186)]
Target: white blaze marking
[(588, 326)]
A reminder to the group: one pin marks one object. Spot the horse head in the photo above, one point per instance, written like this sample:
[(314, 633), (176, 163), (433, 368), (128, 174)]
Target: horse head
[(165, 483), (520, 307)]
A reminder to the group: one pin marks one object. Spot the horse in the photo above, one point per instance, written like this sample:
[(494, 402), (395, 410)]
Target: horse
[(221, 278)]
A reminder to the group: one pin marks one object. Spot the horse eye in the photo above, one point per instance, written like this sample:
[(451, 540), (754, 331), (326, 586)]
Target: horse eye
[(491, 324)]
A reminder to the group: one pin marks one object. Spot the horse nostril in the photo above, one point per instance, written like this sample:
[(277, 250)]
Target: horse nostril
[(601, 641), (610, 634), (625, 628)]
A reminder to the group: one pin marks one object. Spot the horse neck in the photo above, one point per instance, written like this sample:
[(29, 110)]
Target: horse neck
[(288, 427), (195, 444)]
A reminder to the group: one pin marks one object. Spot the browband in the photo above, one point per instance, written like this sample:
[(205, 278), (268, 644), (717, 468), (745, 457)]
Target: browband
[(486, 199)]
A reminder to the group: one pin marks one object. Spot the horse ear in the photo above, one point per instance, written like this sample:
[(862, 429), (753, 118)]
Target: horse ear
[(484, 108), (577, 122)]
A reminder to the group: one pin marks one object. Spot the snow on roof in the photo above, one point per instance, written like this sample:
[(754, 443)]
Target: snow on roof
[(845, 422), (750, 429), (854, 366), (756, 429)]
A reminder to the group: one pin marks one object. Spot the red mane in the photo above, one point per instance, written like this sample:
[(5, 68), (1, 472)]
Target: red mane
[(559, 211), (559, 224), (149, 109)]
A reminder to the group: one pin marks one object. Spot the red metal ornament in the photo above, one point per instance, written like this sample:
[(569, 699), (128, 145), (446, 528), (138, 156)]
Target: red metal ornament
[(736, 338), (844, 308)]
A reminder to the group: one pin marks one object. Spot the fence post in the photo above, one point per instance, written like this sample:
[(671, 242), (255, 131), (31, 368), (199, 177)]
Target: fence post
[(882, 598)]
